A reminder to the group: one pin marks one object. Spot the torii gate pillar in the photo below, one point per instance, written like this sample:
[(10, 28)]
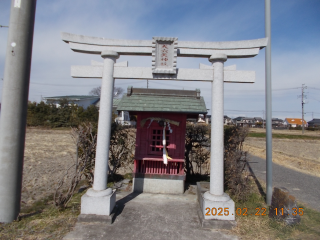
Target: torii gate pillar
[(100, 200), (216, 198), (216, 164)]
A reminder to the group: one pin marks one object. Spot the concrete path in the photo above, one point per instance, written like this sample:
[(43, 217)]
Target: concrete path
[(304, 187), (150, 216)]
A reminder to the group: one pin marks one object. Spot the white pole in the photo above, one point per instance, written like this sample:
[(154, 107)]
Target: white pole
[(105, 121), (14, 106), (216, 164)]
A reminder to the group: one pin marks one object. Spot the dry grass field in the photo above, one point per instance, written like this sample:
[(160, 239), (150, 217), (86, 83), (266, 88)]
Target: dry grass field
[(48, 154), (297, 153)]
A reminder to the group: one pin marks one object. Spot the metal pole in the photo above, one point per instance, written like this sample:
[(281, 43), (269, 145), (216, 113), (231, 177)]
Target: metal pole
[(14, 106), (268, 102), (302, 102)]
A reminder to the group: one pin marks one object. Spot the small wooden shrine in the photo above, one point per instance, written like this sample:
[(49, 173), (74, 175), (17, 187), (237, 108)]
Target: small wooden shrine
[(160, 140)]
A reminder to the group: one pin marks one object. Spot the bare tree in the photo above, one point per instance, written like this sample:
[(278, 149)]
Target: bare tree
[(117, 91)]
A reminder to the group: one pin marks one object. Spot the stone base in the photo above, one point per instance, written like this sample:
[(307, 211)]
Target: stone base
[(215, 224), (93, 218), (221, 208), (158, 185), (98, 205)]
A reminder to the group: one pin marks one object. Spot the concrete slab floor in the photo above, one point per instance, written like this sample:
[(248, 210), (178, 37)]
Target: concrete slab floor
[(150, 216)]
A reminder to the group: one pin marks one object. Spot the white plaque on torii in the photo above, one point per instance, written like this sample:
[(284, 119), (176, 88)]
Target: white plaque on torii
[(164, 55)]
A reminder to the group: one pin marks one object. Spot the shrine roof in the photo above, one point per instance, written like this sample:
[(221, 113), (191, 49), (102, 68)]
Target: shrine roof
[(162, 100), (72, 97)]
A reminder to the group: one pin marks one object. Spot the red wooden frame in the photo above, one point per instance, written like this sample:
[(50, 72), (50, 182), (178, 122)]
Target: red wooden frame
[(150, 161)]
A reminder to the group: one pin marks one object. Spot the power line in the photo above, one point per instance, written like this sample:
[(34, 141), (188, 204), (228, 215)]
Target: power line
[(315, 88)]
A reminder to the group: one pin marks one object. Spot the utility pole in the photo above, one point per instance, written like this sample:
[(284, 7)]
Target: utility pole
[(268, 103), (302, 104), (147, 83), (14, 106), (263, 119)]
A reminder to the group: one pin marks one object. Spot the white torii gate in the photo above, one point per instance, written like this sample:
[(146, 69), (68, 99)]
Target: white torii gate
[(99, 199)]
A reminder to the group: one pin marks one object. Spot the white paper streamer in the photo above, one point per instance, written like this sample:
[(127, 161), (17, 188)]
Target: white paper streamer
[(164, 153)]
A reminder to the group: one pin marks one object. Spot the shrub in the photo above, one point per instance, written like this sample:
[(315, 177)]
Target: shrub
[(235, 162), (197, 143), (66, 115), (122, 144)]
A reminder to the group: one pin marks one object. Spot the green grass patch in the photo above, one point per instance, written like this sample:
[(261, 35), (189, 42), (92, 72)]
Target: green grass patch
[(284, 136)]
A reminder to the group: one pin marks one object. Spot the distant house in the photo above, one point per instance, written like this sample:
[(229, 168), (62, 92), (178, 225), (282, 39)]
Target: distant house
[(227, 120), (276, 123), (314, 123), (81, 100), (123, 117), (238, 121), (244, 121), (258, 119), (294, 122)]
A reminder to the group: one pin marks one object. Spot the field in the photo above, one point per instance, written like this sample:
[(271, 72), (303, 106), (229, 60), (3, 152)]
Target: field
[(290, 149), (48, 155)]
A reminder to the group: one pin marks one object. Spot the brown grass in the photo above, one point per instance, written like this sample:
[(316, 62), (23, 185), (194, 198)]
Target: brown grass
[(288, 132), (48, 154), (300, 155)]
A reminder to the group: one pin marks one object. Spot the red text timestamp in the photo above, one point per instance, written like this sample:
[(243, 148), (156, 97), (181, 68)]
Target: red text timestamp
[(257, 212)]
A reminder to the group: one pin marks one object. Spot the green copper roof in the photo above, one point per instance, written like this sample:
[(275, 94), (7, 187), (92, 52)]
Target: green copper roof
[(116, 101), (162, 100)]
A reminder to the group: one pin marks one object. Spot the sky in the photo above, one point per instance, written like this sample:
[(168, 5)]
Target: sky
[(295, 41)]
